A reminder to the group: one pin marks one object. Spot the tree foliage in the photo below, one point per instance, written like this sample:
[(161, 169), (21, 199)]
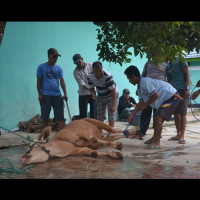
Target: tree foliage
[(155, 40), (2, 28)]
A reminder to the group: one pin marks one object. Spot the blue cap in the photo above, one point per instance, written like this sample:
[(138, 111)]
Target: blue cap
[(77, 58)]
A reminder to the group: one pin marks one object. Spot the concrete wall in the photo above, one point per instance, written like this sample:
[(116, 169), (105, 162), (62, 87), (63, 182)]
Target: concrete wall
[(25, 46)]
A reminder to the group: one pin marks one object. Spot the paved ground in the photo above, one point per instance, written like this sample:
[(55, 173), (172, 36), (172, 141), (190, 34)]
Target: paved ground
[(173, 160)]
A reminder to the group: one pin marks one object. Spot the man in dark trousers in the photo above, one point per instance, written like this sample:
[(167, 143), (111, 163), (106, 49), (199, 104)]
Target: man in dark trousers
[(48, 76), (85, 97)]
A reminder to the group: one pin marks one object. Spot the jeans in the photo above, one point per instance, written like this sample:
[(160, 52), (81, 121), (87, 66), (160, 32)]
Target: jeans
[(146, 118), (125, 113)]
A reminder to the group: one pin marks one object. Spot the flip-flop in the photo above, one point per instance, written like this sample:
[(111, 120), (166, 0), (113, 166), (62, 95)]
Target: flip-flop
[(151, 146), (173, 139), (181, 142), (148, 141)]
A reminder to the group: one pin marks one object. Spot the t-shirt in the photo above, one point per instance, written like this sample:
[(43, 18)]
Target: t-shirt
[(125, 104), (50, 78), (148, 86), (176, 74), (151, 71), (103, 85)]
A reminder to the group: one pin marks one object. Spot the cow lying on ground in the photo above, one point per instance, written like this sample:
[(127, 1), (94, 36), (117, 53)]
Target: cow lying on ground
[(79, 137)]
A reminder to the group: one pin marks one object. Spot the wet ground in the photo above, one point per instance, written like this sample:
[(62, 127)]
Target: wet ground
[(172, 161), (139, 166)]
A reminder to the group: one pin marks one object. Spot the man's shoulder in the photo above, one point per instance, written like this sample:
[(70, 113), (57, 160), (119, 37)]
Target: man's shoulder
[(106, 74), (42, 65), (89, 64), (147, 80)]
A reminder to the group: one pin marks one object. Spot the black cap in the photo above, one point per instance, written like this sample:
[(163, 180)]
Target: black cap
[(125, 91), (77, 58), (53, 51)]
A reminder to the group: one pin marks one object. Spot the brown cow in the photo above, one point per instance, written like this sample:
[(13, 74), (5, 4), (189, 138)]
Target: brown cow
[(79, 137)]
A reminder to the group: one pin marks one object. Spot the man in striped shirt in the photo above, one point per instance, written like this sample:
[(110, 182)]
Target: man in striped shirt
[(107, 92)]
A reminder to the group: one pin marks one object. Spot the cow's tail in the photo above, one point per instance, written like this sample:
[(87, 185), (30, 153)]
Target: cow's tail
[(102, 125)]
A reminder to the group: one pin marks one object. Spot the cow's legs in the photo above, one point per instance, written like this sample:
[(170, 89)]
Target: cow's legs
[(115, 145), (94, 153)]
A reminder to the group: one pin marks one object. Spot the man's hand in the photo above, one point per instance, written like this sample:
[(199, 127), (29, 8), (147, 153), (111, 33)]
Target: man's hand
[(41, 98), (195, 94), (94, 96), (65, 97), (112, 110)]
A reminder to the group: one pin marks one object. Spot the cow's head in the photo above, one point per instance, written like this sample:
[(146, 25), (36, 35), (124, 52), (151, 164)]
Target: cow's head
[(37, 151)]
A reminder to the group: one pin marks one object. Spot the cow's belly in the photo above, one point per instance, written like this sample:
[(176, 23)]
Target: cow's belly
[(78, 129)]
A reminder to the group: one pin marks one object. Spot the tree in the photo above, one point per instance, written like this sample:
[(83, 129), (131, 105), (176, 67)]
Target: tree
[(2, 28), (156, 40)]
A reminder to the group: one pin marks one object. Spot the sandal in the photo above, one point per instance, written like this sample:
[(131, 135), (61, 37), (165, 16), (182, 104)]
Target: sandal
[(151, 146), (149, 141), (173, 139)]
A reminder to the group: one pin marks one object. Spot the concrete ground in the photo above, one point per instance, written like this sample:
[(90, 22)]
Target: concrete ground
[(172, 161)]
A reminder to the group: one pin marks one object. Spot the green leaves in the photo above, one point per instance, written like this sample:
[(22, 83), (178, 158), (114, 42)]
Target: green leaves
[(156, 40)]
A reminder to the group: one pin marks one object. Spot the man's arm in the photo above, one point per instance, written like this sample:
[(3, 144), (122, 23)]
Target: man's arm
[(39, 89), (133, 102), (80, 81), (113, 93), (187, 80), (195, 94), (93, 92), (142, 105), (63, 86)]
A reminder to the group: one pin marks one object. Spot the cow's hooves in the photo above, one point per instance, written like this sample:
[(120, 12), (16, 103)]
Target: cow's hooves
[(94, 154), (119, 145), (119, 155)]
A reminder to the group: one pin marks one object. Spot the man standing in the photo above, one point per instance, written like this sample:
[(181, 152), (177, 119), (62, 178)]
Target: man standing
[(85, 97), (48, 76), (179, 77), (157, 94), (156, 72), (107, 92), (126, 104)]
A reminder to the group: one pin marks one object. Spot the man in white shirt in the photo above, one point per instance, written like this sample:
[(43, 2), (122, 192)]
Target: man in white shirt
[(85, 97)]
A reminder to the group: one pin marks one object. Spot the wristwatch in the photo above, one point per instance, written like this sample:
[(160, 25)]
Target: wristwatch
[(187, 88)]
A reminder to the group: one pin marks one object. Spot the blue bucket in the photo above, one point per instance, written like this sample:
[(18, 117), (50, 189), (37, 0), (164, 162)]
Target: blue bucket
[(136, 120)]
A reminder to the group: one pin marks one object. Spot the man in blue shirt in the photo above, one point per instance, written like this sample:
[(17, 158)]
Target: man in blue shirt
[(178, 76), (157, 94), (48, 76)]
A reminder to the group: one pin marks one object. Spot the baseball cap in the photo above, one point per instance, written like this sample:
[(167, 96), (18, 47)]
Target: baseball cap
[(53, 51), (125, 91), (77, 58)]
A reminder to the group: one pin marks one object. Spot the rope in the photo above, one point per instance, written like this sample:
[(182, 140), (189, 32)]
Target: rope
[(28, 138), (11, 168)]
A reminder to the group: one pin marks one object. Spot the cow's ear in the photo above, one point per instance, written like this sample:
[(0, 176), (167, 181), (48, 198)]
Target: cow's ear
[(44, 136)]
